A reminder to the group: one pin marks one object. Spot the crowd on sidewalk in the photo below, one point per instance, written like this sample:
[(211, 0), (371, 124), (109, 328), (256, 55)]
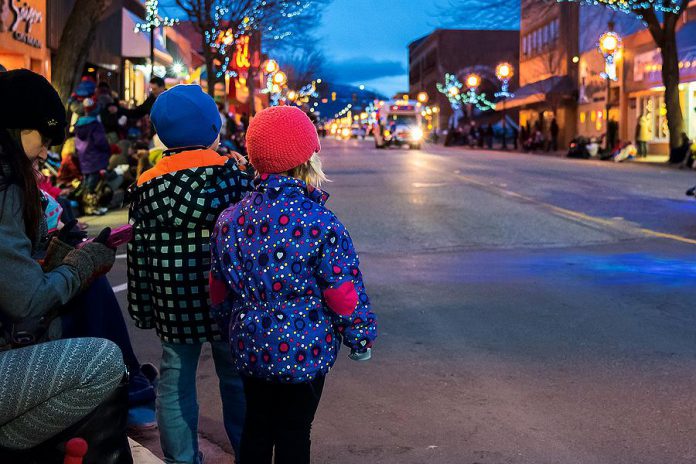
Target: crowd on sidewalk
[(229, 243), (540, 138), (109, 146)]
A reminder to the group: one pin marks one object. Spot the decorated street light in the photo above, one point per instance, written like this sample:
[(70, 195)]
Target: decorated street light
[(610, 45), (504, 72), (270, 66), (153, 21), (473, 81), (453, 91), (280, 78)]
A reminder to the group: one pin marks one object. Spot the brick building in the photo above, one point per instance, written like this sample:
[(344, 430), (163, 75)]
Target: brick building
[(459, 52), (548, 72)]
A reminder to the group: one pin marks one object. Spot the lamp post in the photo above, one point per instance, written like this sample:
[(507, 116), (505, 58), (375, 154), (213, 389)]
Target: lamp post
[(152, 22), (504, 72), (609, 46), (472, 81)]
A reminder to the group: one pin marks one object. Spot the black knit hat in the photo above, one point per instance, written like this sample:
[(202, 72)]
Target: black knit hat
[(29, 101)]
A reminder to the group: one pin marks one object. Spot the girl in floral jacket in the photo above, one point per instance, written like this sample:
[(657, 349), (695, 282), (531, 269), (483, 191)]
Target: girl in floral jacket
[(286, 276)]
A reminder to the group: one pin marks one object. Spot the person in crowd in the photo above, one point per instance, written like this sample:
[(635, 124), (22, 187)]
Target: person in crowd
[(554, 130), (490, 135), (173, 213), (113, 119), (524, 138), (91, 146), (682, 153), (157, 86), (46, 387), (286, 281), (643, 134)]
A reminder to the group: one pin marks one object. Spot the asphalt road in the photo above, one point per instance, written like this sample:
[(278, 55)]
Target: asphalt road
[(532, 310)]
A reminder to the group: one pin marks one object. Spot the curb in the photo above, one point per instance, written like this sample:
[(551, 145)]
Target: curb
[(142, 455)]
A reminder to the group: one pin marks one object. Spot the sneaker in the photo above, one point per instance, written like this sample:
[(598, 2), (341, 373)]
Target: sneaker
[(142, 418), (140, 390)]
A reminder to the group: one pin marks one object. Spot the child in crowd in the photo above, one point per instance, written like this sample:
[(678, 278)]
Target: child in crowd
[(92, 148), (286, 277), (173, 212)]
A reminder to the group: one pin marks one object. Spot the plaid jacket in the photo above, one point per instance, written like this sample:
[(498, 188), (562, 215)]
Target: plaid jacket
[(173, 212)]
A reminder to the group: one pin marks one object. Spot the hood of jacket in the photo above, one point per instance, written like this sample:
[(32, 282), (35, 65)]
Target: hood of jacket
[(180, 191)]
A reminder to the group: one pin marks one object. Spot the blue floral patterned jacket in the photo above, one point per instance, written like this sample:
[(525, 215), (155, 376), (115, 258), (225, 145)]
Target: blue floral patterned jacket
[(286, 277)]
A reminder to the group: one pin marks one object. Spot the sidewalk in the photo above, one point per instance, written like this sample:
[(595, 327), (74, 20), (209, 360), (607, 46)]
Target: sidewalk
[(660, 161), (146, 449), (142, 455)]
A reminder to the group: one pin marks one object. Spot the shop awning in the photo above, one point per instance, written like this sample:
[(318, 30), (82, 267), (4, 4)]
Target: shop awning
[(137, 44), (686, 43), (537, 92)]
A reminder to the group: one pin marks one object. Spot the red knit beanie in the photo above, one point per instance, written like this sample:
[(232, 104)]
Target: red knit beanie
[(280, 138)]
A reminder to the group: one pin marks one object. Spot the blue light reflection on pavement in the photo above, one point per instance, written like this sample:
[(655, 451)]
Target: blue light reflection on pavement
[(622, 269)]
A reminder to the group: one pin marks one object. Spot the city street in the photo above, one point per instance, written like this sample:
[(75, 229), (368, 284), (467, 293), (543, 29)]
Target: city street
[(532, 310)]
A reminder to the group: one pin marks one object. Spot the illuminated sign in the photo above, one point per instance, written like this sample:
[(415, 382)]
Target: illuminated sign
[(241, 57), (12, 16)]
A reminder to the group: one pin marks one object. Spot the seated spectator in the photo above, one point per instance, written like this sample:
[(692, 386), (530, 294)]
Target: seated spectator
[(46, 387)]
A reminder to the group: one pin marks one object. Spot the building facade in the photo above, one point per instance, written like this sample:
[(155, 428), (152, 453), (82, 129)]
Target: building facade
[(458, 52), (561, 74), (23, 30), (549, 44)]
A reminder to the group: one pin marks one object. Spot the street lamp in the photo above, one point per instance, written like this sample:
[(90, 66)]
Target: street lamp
[(453, 91), (270, 66), (422, 97), (610, 44), (292, 95), (153, 21), (280, 78), (473, 81), (504, 72)]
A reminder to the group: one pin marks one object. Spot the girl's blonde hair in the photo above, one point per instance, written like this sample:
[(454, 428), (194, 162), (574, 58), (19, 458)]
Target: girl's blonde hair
[(310, 172)]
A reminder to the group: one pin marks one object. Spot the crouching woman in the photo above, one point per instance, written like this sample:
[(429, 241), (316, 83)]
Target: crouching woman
[(45, 388)]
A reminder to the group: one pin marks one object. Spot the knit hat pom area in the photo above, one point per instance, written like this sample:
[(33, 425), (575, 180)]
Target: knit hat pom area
[(280, 138)]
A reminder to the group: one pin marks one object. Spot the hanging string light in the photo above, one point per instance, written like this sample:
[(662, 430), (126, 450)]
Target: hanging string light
[(452, 88), (635, 6)]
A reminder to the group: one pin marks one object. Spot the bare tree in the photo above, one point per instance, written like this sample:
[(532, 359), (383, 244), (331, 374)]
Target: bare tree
[(275, 19), (75, 42)]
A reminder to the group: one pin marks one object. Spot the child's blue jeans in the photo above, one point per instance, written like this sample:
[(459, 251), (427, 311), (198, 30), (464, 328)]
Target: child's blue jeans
[(177, 405)]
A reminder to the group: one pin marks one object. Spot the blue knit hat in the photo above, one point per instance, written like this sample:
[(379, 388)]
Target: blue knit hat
[(184, 116)]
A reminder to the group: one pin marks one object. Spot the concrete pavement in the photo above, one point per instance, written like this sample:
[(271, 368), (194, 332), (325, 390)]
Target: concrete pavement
[(532, 310)]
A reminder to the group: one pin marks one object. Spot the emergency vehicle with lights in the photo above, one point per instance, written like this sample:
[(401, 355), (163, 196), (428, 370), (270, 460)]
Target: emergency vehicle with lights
[(399, 123)]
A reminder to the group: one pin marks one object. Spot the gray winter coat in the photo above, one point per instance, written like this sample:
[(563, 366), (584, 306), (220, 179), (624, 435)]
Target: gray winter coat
[(26, 291)]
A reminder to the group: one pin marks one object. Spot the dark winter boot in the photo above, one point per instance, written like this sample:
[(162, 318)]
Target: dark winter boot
[(105, 430)]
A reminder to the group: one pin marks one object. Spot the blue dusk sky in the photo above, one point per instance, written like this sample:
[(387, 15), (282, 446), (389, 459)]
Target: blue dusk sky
[(365, 41)]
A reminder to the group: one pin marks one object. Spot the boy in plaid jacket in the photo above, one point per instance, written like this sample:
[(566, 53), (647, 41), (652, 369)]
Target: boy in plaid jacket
[(173, 213)]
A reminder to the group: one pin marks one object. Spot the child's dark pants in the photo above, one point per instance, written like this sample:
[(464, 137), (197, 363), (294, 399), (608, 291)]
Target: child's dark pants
[(279, 415)]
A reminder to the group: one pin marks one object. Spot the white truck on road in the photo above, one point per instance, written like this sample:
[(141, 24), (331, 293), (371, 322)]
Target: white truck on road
[(399, 123)]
